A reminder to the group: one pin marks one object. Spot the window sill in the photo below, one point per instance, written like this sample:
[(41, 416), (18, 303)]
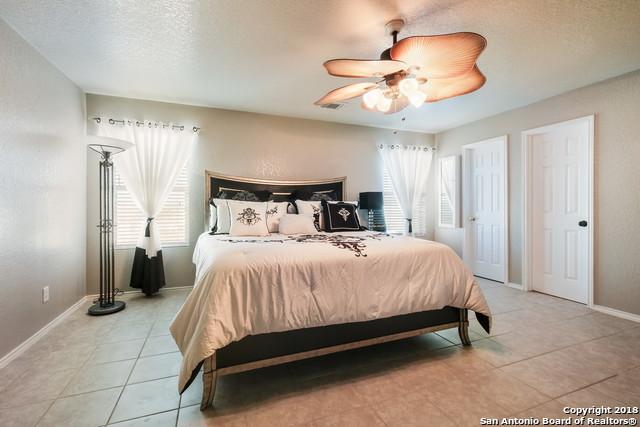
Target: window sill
[(167, 246)]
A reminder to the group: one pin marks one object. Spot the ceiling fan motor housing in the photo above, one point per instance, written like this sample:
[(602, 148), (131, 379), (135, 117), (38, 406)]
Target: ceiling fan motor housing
[(392, 80)]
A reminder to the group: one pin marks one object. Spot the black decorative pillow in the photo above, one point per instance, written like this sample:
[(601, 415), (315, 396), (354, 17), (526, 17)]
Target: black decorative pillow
[(245, 196), (340, 216)]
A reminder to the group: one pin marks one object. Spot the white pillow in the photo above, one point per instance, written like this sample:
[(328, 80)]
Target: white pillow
[(212, 216), (275, 211), (248, 218), (297, 224), (313, 208), (223, 218)]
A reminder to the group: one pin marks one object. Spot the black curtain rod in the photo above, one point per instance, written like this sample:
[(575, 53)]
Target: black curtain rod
[(139, 123)]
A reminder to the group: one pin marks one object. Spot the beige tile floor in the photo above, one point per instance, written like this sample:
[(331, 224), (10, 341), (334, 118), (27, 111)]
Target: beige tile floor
[(544, 353)]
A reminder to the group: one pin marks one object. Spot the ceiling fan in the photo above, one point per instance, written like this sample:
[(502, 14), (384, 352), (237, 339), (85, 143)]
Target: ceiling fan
[(414, 70)]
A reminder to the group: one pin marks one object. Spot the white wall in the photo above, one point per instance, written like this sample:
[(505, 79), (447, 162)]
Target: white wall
[(616, 104), (244, 144), (42, 190)]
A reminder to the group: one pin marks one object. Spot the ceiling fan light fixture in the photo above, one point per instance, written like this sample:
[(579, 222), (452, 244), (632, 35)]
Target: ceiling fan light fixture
[(383, 104), (414, 70), (371, 98), (408, 86), (417, 98)]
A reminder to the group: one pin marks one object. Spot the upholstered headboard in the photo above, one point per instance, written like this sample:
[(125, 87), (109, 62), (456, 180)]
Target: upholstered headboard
[(281, 190)]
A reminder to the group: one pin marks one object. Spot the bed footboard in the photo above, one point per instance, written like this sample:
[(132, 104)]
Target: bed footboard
[(463, 327), (399, 327), (209, 381)]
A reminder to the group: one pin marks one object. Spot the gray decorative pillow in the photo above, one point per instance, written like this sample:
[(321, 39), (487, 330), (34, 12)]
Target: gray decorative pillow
[(248, 196)]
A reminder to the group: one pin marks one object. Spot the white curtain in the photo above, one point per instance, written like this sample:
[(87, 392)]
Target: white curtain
[(150, 168), (409, 167)]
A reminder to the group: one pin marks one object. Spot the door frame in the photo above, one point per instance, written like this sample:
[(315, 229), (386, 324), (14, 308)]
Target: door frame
[(527, 156), (466, 207)]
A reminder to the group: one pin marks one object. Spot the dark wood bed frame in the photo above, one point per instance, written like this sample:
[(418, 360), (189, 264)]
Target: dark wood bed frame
[(259, 351)]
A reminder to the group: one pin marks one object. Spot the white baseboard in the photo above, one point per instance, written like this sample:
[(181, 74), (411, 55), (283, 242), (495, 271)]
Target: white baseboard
[(517, 286), (173, 288), (616, 313), (7, 358)]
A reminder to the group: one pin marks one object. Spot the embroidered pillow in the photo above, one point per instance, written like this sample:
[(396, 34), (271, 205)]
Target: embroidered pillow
[(275, 211), (312, 208), (248, 218), (222, 217), (340, 216), (297, 224)]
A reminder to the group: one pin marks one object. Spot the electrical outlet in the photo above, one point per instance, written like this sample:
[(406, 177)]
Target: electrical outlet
[(45, 294)]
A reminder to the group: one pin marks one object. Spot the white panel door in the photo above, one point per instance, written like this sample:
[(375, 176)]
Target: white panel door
[(486, 209), (560, 210)]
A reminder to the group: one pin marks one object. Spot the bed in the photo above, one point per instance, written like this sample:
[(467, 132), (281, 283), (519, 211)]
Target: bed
[(262, 301)]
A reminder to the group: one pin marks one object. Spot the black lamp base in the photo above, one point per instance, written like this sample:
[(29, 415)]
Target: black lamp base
[(98, 310)]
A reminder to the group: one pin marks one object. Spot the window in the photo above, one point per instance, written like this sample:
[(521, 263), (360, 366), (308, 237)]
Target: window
[(172, 223), (393, 216)]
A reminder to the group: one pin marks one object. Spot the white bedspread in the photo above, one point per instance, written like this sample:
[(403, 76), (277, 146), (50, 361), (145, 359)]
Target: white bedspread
[(248, 286)]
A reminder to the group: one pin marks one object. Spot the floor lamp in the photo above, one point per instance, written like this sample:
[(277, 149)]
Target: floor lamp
[(107, 148)]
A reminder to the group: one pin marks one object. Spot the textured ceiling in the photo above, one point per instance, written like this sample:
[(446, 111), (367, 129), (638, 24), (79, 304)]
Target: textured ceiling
[(266, 56)]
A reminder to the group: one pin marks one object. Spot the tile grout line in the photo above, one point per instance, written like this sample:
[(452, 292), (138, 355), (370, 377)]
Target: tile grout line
[(140, 417), (572, 391), (553, 399), (586, 386), (45, 412), (559, 348), (129, 376), (87, 392), (59, 395)]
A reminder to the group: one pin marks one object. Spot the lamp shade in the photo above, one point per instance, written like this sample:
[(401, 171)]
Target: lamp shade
[(104, 145), (371, 200)]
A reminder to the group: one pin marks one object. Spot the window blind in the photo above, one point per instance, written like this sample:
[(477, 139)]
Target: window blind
[(172, 223), (446, 210), (393, 216), (448, 191)]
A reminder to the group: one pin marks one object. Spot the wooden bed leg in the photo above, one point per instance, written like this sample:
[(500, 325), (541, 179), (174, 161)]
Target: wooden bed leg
[(209, 381), (463, 327)]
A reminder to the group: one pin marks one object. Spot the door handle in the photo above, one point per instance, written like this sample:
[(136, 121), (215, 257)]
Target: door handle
[(583, 223), (472, 218)]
